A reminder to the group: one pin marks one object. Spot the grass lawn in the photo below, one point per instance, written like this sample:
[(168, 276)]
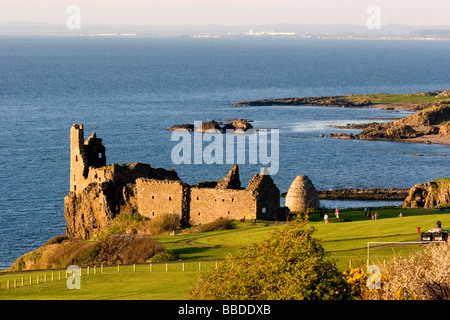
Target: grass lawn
[(346, 242), (127, 284), (385, 98)]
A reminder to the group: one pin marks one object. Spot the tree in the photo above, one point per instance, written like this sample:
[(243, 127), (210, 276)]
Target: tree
[(289, 264)]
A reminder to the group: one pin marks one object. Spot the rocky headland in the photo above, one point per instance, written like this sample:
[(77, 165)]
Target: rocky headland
[(411, 102), (236, 125), (428, 195), (328, 101), (429, 125)]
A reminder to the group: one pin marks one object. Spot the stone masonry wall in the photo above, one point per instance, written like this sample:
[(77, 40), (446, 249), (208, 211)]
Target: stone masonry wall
[(160, 197), (209, 204)]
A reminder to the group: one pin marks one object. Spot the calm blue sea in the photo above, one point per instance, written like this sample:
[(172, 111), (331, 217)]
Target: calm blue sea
[(129, 90)]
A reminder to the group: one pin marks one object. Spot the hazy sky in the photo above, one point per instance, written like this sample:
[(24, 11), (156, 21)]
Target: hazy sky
[(228, 12)]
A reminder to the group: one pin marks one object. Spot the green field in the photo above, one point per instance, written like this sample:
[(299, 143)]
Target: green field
[(346, 242), (386, 98)]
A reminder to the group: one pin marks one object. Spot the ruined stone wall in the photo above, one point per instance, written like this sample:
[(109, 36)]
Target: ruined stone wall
[(160, 197), (78, 159), (267, 196), (209, 204), (84, 157)]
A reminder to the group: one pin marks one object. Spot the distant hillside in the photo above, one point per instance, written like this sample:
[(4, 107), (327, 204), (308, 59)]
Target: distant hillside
[(300, 30)]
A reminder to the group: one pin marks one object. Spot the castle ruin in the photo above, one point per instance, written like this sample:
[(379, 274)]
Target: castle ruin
[(99, 192)]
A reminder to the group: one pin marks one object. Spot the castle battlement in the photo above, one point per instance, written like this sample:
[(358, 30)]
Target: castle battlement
[(83, 156)]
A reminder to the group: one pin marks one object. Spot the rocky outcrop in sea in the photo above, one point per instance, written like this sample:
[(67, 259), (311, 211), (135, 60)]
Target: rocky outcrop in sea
[(236, 125)]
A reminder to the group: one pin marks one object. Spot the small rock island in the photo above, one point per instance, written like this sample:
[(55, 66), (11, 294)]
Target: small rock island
[(213, 126)]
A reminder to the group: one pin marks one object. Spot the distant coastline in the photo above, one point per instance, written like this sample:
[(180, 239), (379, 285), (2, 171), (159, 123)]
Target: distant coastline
[(247, 31), (429, 124)]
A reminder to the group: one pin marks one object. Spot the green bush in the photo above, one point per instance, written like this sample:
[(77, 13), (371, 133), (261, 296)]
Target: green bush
[(164, 256), (170, 222), (289, 264), (123, 249), (57, 239), (218, 224)]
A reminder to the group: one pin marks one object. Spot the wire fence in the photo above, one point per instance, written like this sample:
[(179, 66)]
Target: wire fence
[(10, 280)]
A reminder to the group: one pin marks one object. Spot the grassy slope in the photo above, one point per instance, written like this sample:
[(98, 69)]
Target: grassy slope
[(346, 241), (385, 98)]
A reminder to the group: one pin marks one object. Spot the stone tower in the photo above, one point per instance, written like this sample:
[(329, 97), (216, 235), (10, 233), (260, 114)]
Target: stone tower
[(83, 155), (302, 195)]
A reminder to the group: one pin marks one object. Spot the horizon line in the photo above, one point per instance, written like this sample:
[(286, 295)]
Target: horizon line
[(228, 25)]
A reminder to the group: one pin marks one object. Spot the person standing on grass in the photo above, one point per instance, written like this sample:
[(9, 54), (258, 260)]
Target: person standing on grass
[(336, 213), (326, 218)]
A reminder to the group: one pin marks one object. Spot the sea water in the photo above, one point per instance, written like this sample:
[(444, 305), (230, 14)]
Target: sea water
[(129, 90)]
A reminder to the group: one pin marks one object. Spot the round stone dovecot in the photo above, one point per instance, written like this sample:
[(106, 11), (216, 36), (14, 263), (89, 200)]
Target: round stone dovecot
[(302, 195)]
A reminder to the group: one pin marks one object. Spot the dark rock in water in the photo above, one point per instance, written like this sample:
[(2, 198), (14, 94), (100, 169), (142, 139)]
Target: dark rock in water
[(390, 194), (210, 126), (237, 125), (182, 127), (243, 124)]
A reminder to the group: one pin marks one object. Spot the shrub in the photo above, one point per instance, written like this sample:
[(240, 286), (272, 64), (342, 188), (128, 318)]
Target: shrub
[(123, 222), (424, 275), (357, 279), (57, 239), (218, 224), (289, 264), (170, 222), (164, 256), (123, 249), (158, 225)]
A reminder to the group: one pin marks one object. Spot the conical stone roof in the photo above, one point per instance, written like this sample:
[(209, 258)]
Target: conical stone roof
[(302, 195)]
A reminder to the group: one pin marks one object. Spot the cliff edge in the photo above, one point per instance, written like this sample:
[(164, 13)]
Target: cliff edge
[(428, 195)]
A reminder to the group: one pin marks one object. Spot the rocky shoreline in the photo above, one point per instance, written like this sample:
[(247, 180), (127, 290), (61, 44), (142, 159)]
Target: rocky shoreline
[(391, 194), (402, 101), (324, 101), (374, 194), (430, 123)]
